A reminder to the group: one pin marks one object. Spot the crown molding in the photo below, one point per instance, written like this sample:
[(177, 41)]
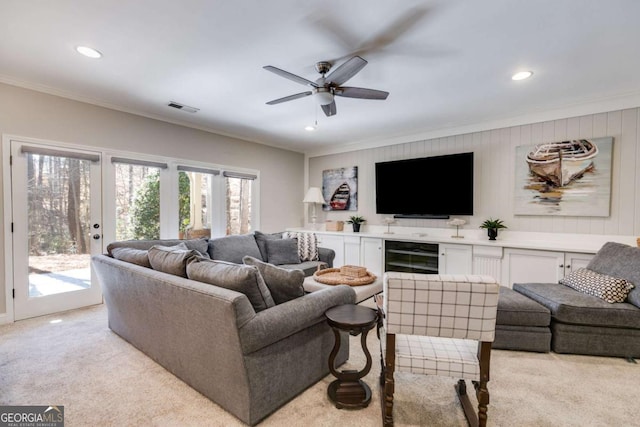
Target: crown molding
[(99, 103), (594, 106)]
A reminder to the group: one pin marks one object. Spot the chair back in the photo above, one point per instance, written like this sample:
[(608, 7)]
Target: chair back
[(449, 306)]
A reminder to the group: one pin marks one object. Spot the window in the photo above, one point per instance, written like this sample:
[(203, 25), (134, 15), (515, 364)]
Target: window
[(137, 198), (238, 194), (195, 201)]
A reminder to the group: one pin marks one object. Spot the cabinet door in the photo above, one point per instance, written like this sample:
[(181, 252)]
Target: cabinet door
[(371, 255), (455, 259), (351, 250), (574, 261), (336, 243), (529, 266)]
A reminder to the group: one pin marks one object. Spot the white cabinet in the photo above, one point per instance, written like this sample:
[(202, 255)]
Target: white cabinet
[(574, 261), (351, 250), (454, 259), (531, 266), (333, 242), (371, 255)]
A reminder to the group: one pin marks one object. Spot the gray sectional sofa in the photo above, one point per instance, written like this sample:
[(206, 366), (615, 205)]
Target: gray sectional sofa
[(585, 324), (248, 361)]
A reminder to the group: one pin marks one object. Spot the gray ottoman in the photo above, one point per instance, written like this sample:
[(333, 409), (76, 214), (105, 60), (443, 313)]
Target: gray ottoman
[(521, 323)]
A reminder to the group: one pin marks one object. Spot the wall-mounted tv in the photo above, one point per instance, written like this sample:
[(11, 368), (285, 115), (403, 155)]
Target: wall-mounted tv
[(427, 187)]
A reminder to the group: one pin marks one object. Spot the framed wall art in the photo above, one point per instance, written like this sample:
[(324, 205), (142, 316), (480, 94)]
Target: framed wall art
[(567, 178), (340, 189)]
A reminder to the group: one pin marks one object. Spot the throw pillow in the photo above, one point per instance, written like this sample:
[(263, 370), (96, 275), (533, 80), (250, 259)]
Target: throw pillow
[(200, 245), (134, 256), (171, 259), (283, 251), (237, 277), (619, 260), (307, 245), (233, 248), (610, 289), (283, 284), (261, 240)]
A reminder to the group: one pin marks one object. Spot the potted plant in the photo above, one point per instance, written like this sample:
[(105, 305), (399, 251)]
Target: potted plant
[(492, 226), (355, 221)]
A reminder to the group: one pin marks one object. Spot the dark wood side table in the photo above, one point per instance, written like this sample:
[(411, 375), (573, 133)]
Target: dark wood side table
[(348, 390)]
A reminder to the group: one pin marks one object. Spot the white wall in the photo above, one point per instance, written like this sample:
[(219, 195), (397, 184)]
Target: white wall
[(494, 173), (33, 114)]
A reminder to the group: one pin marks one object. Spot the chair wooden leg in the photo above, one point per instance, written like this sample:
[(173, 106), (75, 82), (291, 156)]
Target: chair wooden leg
[(483, 400), (467, 407), (389, 383)]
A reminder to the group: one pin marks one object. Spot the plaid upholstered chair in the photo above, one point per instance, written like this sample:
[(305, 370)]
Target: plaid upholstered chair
[(439, 325)]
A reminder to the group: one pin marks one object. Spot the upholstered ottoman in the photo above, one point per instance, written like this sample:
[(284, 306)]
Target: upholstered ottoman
[(521, 323)]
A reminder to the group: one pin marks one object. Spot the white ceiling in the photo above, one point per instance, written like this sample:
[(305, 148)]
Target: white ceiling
[(447, 64)]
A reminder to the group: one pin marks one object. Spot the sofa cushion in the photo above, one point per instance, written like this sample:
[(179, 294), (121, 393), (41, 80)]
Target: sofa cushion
[(261, 240), (283, 251), (307, 245), (233, 248), (517, 310), (610, 289), (171, 259), (237, 277), (284, 284), (134, 256), (619, 260), (200, 245), (570, 306)]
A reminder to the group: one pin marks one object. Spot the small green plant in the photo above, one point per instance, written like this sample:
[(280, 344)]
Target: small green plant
[(493, 224), (356, 220)]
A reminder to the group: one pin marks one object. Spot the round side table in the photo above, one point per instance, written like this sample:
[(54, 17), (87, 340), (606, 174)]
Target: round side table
[(348, 390)]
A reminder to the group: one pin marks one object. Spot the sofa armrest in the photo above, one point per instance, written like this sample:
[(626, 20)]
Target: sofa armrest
[(283, 320), (326, 255)]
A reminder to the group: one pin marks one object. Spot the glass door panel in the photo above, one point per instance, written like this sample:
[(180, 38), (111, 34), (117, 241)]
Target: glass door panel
[(56, 204)]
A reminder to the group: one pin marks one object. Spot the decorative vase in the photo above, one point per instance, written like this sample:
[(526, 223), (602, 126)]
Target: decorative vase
[(493, 233), (356, 228)]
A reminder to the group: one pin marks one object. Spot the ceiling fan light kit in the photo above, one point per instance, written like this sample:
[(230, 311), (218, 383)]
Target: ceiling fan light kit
[(522, 75), (327, 86)]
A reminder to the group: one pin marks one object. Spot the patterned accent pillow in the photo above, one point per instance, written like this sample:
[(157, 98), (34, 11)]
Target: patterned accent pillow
[(610, 289), (307, 245)]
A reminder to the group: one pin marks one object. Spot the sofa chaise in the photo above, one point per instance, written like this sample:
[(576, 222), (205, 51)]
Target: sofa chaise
[(248, 361), (586, 324)]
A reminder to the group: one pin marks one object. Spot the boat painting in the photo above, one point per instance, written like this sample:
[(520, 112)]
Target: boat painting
[(565, 178), (340, 198), (559, 163), (340, 189)]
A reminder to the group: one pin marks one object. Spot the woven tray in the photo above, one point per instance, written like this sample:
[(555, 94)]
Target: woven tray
[(332, 276)]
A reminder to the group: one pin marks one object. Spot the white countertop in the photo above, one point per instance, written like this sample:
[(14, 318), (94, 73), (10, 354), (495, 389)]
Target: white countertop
[(561, 242)]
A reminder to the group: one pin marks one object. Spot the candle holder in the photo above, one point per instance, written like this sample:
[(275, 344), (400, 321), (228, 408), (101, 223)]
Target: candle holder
[(457, 222), (388, 220)]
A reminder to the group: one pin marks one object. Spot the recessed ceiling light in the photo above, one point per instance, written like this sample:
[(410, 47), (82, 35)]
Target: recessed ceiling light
[(310, 128), (88, 52), (522, 75)]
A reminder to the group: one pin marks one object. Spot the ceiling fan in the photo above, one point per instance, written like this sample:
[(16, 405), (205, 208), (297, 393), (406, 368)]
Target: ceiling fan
[(327, 86)]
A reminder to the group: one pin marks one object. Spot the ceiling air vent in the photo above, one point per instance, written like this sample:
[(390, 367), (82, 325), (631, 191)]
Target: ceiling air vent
[(183, 107)]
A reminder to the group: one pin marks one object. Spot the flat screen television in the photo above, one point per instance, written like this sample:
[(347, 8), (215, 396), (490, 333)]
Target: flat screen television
[(427, 187)]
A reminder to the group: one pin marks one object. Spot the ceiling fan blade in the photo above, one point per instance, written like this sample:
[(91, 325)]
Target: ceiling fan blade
[(346, 71), (329, 109), (288, 75), (359, 92), (289, 98), (394, 31)]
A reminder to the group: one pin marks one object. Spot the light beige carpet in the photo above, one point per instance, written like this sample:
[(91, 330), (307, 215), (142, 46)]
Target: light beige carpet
[(102, 380)]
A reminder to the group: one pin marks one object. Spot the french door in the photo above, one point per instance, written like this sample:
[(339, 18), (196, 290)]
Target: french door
[(56, 202)]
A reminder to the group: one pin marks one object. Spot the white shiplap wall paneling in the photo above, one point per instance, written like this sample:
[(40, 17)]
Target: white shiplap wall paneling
[(495, 167)]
